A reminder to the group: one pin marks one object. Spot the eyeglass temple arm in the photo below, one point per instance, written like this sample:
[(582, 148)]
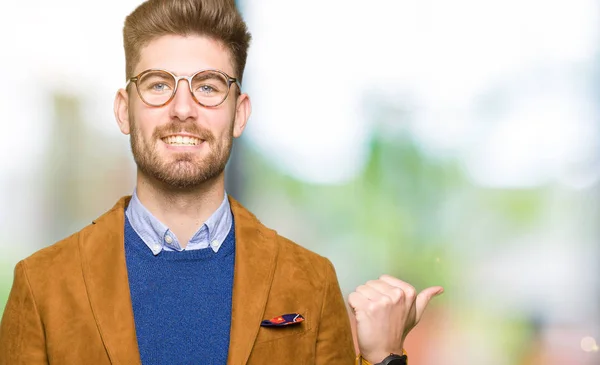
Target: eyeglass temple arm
[(133, 79), (237, 82)]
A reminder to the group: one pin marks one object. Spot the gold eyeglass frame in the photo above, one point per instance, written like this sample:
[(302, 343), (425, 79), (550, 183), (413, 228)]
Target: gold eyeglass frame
[(230, 80)]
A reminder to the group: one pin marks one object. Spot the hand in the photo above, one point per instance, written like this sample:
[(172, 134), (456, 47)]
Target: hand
[(385, 311)]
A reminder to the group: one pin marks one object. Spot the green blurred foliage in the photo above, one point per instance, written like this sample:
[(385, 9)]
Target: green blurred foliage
[(412, 209)]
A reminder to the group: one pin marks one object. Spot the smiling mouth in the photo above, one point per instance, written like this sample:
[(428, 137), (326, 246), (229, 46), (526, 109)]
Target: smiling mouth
[(182, 141)]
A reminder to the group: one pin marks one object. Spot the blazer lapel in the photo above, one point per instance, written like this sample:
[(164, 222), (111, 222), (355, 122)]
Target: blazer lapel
[(105, 275), (256, 252)]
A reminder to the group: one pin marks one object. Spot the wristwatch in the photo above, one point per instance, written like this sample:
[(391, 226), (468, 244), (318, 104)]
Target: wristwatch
[(394, 359)]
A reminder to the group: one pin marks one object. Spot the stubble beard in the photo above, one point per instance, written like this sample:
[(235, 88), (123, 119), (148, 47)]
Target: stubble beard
[(186, 171)]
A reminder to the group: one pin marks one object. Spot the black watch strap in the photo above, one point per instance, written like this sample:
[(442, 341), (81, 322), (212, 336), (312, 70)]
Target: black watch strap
[(394, 359)]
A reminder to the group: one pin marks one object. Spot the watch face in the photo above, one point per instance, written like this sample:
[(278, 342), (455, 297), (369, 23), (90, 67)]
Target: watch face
[(398, 362), (395, 360)]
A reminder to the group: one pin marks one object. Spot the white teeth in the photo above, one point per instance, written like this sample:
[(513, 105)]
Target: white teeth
[(181, 141)]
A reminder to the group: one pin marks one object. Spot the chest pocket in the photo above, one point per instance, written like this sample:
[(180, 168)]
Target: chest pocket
[(267, 334)]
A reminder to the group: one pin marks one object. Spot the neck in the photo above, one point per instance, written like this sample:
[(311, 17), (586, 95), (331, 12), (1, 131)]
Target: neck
[(184, 211)]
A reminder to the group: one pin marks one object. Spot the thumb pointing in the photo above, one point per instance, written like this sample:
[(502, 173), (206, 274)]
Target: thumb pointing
[(423, 299)]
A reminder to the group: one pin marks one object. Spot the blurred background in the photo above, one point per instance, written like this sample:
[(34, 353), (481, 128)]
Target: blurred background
[(452, 143)]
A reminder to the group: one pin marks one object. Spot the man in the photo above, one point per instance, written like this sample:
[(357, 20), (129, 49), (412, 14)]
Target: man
[(181, 273)]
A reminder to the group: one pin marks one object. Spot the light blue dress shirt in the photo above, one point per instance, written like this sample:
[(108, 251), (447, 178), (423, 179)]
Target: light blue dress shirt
[(159, 237)]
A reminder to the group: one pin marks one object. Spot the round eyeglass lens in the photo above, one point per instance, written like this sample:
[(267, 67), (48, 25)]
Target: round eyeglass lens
[(156, 87), (210, 88)]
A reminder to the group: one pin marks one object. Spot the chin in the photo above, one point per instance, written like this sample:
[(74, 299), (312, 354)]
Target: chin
[(189, 179)]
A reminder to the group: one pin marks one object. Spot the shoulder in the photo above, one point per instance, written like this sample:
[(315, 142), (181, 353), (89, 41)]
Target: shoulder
[(288, 250), (56, 257), (63, 258), (293, 262), (291, 253)]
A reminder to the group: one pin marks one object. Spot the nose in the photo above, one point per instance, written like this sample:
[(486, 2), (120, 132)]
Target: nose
[(183, 106)]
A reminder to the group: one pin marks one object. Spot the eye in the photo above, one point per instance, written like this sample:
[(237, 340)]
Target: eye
[(158, 87), (206, 89)]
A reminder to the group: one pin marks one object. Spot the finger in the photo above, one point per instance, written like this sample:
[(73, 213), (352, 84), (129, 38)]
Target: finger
[(357, 301), (423, 300), (394, 281), (370, 293), (393, 292), (359, 304), (408, 289), (379, 285)]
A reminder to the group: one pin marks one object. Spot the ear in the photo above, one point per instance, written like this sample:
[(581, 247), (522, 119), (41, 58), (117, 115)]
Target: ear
[(242, 113), (122, 111)]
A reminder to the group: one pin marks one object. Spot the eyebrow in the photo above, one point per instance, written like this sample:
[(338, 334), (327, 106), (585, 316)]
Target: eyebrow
[(165, 76), (209, 75)]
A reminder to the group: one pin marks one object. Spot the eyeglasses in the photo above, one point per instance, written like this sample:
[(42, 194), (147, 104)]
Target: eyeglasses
[(158, 87)]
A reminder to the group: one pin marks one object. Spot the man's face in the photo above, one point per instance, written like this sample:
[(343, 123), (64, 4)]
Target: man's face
[(182, 144)]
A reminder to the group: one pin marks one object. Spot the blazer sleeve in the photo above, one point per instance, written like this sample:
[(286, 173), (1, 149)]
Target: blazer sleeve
[(22, 339), (334, 338)]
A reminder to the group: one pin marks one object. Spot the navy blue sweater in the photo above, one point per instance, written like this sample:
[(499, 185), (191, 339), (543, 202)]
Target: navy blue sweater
[(181, 301)]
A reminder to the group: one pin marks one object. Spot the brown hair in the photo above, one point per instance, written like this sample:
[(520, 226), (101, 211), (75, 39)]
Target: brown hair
[(216, 19)]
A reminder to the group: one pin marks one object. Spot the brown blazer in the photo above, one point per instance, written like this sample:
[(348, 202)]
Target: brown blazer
[(70, 302)]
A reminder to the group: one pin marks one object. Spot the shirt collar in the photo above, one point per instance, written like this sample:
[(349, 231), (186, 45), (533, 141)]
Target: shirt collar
[(158, 237)]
